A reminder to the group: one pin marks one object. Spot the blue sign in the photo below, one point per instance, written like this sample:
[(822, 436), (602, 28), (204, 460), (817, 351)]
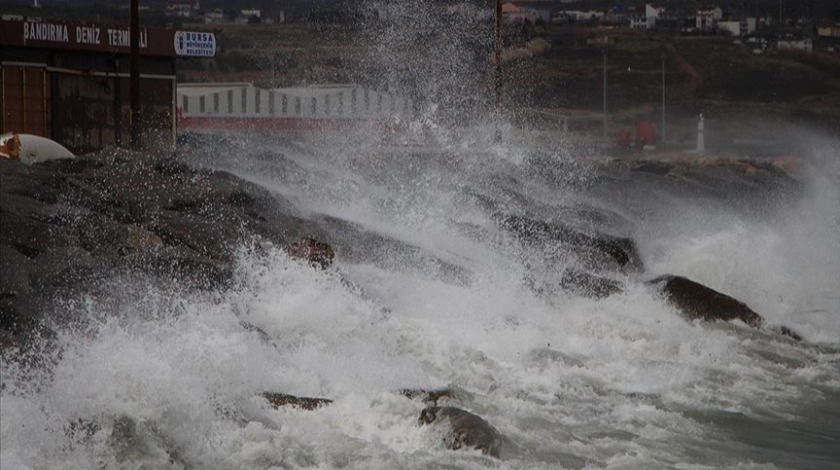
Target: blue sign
[(195, 44)]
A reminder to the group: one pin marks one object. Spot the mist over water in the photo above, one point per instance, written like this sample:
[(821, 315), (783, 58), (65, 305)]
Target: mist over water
[(448, 298)]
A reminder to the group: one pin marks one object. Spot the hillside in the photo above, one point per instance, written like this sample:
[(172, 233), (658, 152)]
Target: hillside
[(712, 75)]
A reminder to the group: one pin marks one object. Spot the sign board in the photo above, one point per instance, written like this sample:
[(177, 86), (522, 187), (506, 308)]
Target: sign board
[(195, 44), (99, 37)]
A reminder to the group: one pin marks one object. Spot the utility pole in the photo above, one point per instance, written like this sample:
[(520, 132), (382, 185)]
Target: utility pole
[(497, 72), (662, 131), (780, 13), (134, 71), (497, 75), (605, 96)]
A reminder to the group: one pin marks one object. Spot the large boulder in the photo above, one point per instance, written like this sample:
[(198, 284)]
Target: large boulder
[(590, 285), (316, 253), (698, 302), (462, 429), (594, 250), (68, 226)]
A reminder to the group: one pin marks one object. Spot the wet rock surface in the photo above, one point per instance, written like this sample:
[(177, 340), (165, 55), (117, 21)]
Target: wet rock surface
[(318, 254), (597, 251), (589, 285), (463, 430), (279, 400), (431, 397), (698, 302), (68, 226)]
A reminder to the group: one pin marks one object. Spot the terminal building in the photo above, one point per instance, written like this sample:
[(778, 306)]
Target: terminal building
[(242, 106), (69, 81)]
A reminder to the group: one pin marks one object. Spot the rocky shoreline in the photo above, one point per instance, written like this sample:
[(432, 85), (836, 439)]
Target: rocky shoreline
[(68, 227)]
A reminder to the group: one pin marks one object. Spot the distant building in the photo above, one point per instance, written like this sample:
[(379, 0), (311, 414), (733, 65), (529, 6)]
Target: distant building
[(541, 15), (653, 12), (216, 15), (705, 19), (617, 15), (242, 106), (828, 30), (182, 8), (748, 26), (66, 77), (252, 12), (561, 16), (743, 27), (730, 27), (803, 44), (513, 13), (642, 22)]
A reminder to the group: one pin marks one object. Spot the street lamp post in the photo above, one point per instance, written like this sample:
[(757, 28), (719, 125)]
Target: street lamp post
[(780, 13), (497, 71), (605, 97), (134, 71)]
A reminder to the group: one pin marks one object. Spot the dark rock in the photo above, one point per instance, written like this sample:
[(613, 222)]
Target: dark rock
[(32, 236), (65, 266), (698, 302), (785, 331), (318, 254), (141, 444), (589, 285), (22, 321), (465, 430), (264, 337), (277, 400), (65, 225), (599, 250), (429, 397), (367, 246), (15, 269), (182, 263)]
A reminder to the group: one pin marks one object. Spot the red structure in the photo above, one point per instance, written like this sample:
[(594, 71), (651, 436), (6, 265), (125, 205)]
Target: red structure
[(645, 133)]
